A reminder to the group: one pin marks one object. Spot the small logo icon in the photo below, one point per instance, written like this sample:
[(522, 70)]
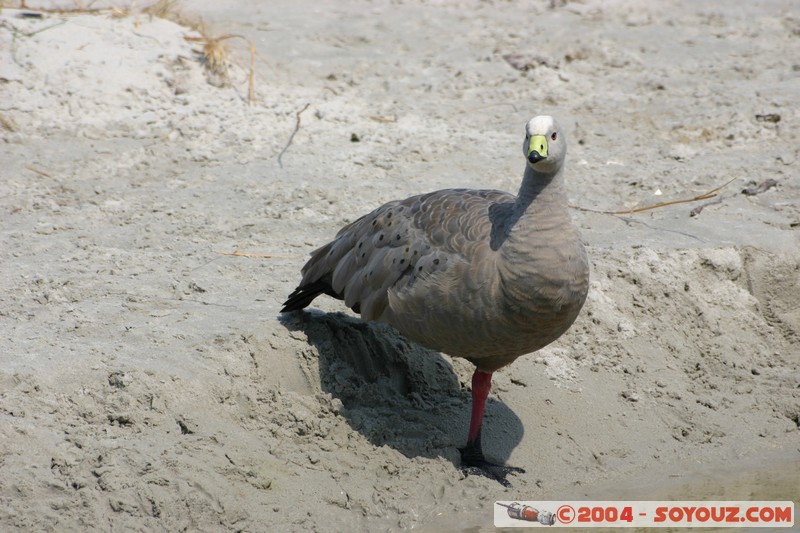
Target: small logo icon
[(529, 514)]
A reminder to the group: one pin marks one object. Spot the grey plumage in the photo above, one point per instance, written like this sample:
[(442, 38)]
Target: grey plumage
[(479, 274)]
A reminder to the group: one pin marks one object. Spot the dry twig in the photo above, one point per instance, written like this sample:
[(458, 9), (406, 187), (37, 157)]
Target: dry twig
[(710, 194), (254, 254), (37, 171), (63, 11), (384, 119), (291, 137)]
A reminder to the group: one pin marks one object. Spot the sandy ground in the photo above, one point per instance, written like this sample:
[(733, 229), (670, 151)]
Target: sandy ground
[(147, 382)]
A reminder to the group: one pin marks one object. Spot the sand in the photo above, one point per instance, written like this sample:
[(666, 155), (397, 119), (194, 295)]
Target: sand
[(147, 381)]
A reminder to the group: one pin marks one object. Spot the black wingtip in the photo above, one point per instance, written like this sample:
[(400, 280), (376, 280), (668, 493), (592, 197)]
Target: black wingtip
[(304, 295), (296, 301)]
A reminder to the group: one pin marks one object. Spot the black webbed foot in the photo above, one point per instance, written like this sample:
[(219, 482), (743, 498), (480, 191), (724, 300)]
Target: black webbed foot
[(474, 463)]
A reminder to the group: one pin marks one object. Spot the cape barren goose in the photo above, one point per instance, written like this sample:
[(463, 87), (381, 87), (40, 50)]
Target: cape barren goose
[(479, 274)]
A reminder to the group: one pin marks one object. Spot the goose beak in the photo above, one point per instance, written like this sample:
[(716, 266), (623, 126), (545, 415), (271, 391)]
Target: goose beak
[(537, 149)]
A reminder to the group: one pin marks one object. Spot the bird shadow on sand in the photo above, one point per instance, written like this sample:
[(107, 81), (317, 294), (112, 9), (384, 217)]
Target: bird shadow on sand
[(397, 393)]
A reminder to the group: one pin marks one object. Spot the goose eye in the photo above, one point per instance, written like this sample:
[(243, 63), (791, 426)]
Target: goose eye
[(554, 135)]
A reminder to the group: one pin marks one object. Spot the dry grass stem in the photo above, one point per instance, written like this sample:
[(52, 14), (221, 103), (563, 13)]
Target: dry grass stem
[(214, 53), (263, 256), (384, 119), (40, 172), (163, 9), (216, 57), (710, 194)]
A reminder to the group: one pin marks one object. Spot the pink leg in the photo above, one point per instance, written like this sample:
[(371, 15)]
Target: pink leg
[(481, 384), (472, 459)]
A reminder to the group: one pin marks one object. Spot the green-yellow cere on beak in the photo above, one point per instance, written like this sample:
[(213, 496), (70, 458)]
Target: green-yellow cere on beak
[(538, 144)]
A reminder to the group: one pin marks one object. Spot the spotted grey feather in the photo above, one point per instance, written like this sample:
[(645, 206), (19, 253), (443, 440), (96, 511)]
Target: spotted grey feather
[(479, 274)]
